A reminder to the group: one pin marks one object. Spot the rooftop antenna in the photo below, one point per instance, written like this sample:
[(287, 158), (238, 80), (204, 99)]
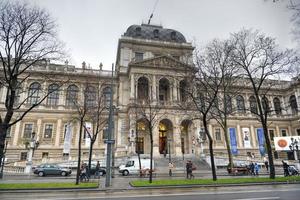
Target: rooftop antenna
[(152, 12)]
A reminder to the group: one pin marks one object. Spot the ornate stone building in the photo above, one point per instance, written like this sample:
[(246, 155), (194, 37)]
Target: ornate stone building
[(151, 63)]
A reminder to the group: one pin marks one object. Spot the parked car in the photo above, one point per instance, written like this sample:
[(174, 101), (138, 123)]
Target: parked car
[(102, 170), (51, 169)]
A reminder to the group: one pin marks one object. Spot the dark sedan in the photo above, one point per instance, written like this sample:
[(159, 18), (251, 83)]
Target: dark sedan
[(102, 170), (51, 169)]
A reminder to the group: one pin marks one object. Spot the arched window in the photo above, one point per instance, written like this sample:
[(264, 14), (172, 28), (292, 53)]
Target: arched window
[(240, 104), (53, 96), (106, 95), (34, 93), (277, 106), (228, 104), (253, 105), (183, 90), (143, 88), (173, 35), (293, 104), (265, 104), (156, 33), (164, 90), (138, 31), (72, 95), (90, 96)]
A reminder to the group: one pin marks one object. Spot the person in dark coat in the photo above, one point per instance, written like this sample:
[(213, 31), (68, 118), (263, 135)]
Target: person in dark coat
[(285, 168)]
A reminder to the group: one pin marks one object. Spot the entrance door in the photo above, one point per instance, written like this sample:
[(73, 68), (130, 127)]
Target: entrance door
[(163, 149), (139, 145)]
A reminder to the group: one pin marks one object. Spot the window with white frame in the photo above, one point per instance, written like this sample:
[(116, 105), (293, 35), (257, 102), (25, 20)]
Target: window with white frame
[(218, 134), (28, 128), (138, 56), (283, 132), (48, 131), (23, 156), (271, 134)]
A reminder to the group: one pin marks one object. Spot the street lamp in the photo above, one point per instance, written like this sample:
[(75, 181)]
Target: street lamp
[(170, 160), (294, 147), (31, 146)]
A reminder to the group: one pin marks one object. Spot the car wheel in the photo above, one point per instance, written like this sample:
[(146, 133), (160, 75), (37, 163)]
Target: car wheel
[(63, 173), (125, 173), (41, 173)]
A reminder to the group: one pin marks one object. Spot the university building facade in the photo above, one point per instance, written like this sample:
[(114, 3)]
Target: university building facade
[(151, 63)]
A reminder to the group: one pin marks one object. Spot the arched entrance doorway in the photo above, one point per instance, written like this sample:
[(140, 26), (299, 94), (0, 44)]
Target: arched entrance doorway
[(165, 133), (186, 141)]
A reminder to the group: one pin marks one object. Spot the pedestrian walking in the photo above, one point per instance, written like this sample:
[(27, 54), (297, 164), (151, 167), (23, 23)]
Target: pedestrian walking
[(266, 163), (189, 170), (97, 172), (83, 172), (171, 166), (256, 168), (252, 169), (285, 168)]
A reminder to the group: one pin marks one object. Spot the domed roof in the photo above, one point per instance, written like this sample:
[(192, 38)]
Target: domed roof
[(153, 32)]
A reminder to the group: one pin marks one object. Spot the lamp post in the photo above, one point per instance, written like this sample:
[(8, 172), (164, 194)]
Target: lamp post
[(294, 147), (33, 145), (170, 159)]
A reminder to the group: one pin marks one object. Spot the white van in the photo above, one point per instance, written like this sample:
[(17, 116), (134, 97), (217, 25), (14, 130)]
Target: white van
[(132, 166)]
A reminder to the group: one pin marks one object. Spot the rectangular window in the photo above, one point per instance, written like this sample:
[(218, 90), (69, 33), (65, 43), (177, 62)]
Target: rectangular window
[(218, 134), (48, 131), (8, 132), (283, 132), (28, 128), (138, 56), (271, 134), (298, 132), (65, 130), (23, 156), (45, 155)]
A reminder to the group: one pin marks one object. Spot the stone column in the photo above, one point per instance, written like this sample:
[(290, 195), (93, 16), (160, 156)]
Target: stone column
[(290, 133), (177, 138), (62, 97), (132, 88), (277, 132), (156, 142), (154, 92), (17, 134), (175, 96), (58, 132), (253, 136), (239, 135), (3, 95), (39, 131)]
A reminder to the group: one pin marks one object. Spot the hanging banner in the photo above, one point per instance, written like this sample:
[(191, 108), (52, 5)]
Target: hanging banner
[(261, 141), (68, 139), (285, 143), (233, 141), (88, 132), (246, 137)]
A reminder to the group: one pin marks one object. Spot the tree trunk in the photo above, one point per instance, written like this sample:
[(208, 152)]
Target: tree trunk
[(151, 156), (90, 156), (269, 151), (79, 152), (3, 130), (227, 141), (211, 151)]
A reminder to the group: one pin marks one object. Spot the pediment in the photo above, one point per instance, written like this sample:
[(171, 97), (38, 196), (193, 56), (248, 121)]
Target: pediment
[(160, 62)]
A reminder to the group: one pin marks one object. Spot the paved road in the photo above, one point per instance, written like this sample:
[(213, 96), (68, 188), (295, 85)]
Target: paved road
[(266, 192)]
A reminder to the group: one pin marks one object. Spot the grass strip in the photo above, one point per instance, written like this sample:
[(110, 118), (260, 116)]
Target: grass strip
[(4, 186), (174, 182)]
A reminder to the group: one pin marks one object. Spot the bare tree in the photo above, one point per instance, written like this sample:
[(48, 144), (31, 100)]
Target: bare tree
[(96, 115), (259, 59), (150, 113), (27, 37), (221, 52)]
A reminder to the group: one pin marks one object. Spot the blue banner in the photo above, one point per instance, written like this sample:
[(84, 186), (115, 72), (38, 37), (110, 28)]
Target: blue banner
[(261, 141), (233, 141)]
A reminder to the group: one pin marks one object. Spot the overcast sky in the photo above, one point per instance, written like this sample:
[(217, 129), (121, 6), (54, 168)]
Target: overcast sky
[(91, 28)]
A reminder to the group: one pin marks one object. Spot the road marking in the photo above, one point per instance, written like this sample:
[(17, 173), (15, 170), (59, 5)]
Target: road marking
[(179, 194), (261, 198)]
